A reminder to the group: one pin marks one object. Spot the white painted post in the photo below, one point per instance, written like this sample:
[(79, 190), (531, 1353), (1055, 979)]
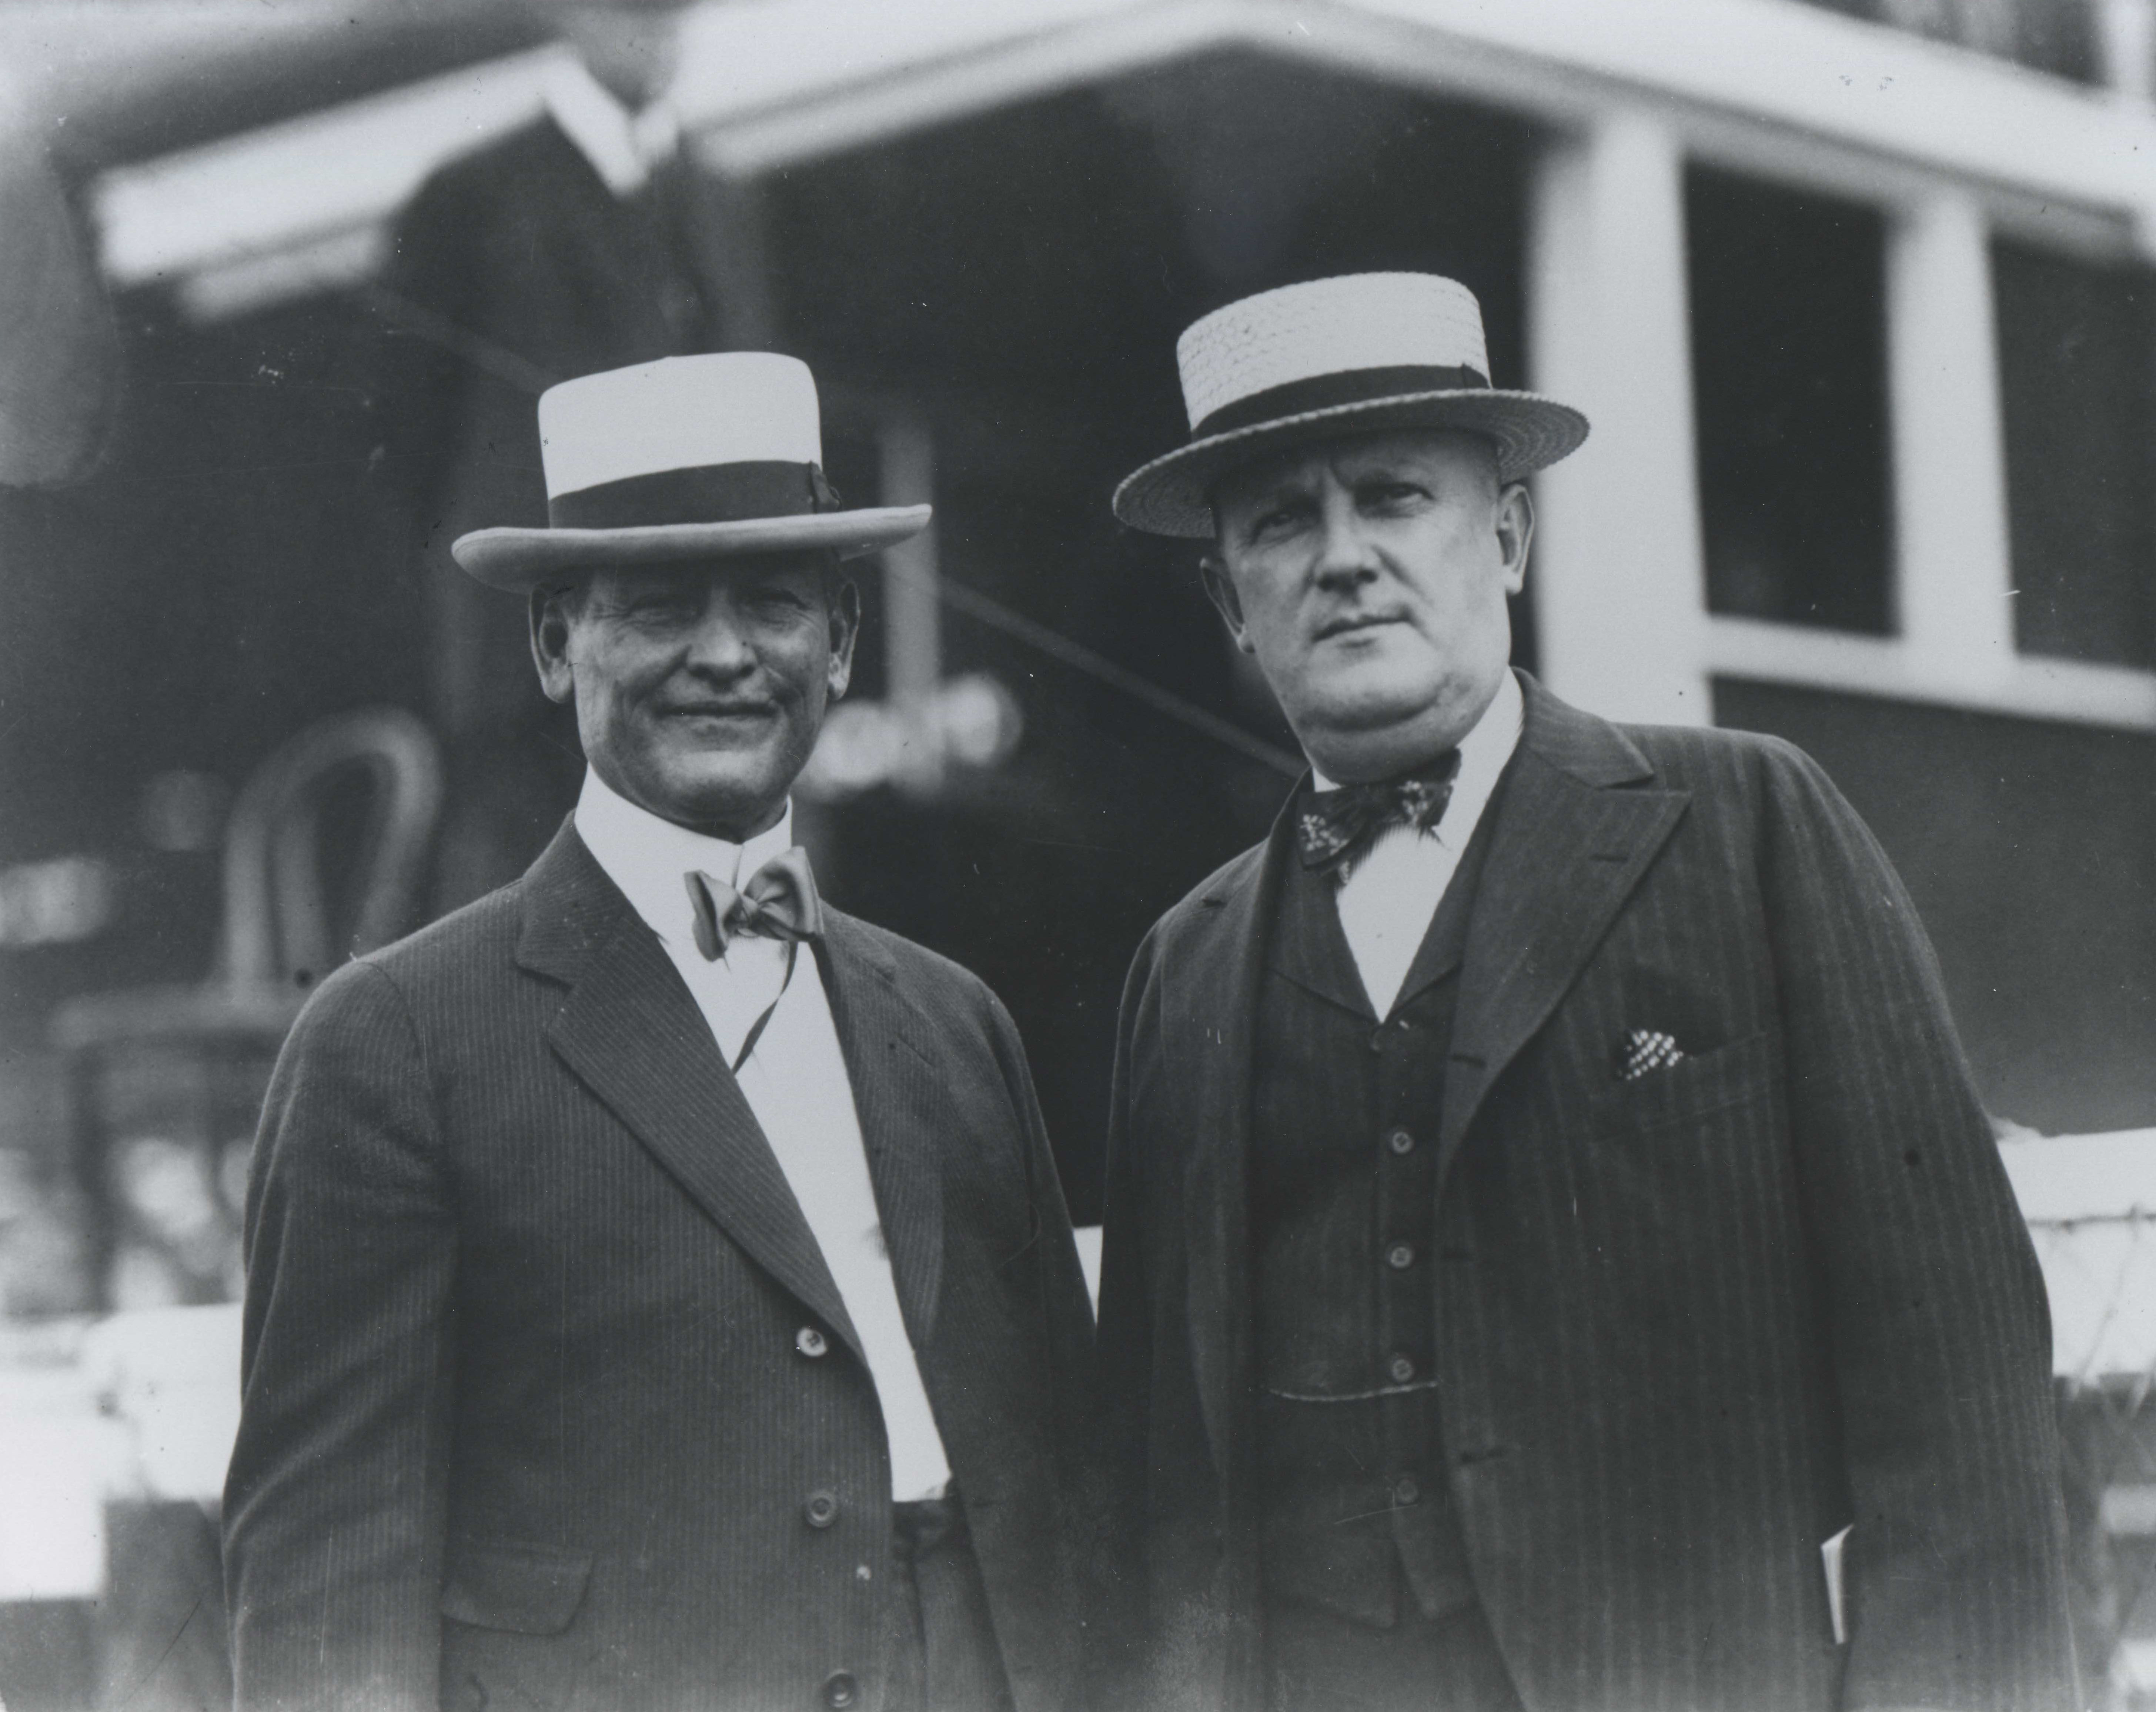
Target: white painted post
[(913, 621), (1621, 601), (2126, 46), (1953, 553)]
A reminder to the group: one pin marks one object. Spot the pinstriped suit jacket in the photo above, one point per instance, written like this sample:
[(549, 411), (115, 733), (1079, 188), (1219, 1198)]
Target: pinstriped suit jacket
[(1690, 1326), (527, 1421)]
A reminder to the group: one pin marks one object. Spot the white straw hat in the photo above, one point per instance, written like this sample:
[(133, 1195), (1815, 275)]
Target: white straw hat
[(1360, 354), (690, 457)]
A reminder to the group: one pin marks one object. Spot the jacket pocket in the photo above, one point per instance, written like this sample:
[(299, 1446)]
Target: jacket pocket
[(1733, 1075), (516, 1589)]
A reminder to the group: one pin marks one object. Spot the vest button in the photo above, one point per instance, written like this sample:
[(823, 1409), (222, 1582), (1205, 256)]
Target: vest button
[(810, 1342), (1400, 1257), (822, 1509), (841, 1690), (1405, 1491), (1401, 1369), (1400, 1142)]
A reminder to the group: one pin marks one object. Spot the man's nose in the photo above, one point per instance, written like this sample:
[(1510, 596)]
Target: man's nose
[(1345, 554), (718, 645)]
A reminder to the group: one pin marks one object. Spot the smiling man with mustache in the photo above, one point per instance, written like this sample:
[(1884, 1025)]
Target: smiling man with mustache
[(1555, 1258), (660, 1294)]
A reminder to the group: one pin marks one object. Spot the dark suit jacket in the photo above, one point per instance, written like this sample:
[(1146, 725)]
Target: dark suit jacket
[(1689, 1326), (520, 249), (525, 1411)]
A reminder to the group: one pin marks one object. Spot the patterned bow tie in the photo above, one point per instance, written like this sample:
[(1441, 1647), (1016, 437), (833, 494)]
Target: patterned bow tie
[(778, 902), (1336, 826)]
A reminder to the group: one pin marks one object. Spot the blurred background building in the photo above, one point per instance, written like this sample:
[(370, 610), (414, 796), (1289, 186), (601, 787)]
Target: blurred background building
[(1858, 295)]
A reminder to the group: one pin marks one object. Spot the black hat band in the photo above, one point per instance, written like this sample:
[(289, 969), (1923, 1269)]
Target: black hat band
[(1326, 392), (709, 493)]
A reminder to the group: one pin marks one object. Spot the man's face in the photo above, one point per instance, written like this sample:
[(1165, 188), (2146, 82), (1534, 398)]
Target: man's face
[(633, 48), (1367, 576), (700, 687)]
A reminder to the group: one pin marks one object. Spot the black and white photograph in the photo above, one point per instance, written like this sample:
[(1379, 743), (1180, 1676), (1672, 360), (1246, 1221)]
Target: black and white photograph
[(1078, 856)]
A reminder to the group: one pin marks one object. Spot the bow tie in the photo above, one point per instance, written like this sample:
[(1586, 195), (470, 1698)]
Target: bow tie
[(1337, 826), (778, 902)]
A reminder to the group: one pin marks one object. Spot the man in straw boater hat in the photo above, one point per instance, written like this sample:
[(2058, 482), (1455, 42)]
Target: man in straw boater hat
[(660, 1294), (1555, 1257)]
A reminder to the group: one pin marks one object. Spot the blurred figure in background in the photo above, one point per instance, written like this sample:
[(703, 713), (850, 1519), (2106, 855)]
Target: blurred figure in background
[(587, 240)]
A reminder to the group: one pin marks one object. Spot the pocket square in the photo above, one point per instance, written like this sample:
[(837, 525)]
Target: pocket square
[(1645, 1049)]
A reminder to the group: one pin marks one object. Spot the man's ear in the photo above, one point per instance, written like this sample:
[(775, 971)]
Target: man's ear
[(1515, 533), (845, 621), (550, 623), (1220, 590)]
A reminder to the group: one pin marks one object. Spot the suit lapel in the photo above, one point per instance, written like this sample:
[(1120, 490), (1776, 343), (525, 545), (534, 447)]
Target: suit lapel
[(888, 1045), (1210, 1021), (1567, 848), (632, 1032)]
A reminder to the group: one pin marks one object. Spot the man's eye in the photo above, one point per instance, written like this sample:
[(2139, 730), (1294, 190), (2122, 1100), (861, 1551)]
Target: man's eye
[(1383, 495), (1275, 522)]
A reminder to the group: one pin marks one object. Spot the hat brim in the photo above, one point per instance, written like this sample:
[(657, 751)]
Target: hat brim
[(521, 560), (1172, 495)]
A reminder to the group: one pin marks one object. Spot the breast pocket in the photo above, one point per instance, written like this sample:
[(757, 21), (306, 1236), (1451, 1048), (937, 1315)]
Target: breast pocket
[(1692, 1088), (506, 1610)]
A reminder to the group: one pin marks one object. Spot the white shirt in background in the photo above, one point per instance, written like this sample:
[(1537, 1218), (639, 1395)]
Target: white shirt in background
[(623, 148)]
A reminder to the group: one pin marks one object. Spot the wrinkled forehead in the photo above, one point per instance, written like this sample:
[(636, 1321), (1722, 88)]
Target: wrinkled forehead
[(1349, 459)]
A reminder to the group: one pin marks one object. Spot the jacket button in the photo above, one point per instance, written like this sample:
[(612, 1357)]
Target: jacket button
[(1405, 1490), (810, 1342), (841, 1691), (1401, 1369), (822, 1509), (1400, 1142), (1400, 1257)]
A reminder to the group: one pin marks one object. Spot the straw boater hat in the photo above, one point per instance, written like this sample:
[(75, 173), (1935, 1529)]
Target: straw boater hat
[(686, 458), (1362, 354)]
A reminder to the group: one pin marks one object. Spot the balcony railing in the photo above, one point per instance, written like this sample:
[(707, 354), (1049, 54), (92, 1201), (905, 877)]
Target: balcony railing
[(2108, 43)]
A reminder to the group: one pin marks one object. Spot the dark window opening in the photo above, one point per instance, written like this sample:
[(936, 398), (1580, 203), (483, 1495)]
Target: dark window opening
[(2077, 386), (1789, 387)]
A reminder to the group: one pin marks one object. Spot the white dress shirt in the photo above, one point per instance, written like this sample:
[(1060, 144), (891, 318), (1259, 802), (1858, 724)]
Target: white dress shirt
[(795, 1081), (1393, 890)]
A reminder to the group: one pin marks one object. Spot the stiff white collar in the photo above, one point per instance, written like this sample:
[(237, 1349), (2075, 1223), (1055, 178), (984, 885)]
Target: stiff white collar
[(647, 856), (623, 148), (1483, 754)]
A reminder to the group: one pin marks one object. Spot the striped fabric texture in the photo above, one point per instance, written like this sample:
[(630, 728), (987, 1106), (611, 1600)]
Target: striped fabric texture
[(549, 1399), (1694, 1322)]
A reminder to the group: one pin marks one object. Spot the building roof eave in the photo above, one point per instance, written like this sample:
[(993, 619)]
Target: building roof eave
[(754, 101)]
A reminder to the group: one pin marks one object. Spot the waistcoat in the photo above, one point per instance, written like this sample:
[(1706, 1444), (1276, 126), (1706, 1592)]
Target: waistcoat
[(1356, 1509)]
